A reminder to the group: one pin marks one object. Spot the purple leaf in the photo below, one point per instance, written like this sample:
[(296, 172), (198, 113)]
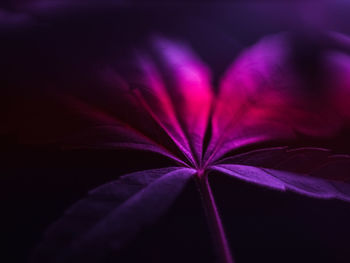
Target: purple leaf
[(265, 95), (189, 89), (98, 226), (250, 174), (308, 171), (161, 99)]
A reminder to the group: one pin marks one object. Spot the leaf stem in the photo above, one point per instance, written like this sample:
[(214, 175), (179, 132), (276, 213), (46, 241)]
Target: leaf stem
[(213, 217)]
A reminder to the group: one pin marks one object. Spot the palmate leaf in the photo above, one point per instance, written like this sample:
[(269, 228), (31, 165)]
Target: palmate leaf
[(97, 227), (162, 100)]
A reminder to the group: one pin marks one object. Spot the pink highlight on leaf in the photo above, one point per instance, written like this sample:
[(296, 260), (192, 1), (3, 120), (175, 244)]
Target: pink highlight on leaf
[(262, 88), (190, 90)]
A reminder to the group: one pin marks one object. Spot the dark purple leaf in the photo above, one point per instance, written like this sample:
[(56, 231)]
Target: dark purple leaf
[(97, 227), (308, 171)]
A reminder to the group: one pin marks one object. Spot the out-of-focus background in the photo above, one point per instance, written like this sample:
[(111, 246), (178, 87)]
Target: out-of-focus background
[(45, 43)]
